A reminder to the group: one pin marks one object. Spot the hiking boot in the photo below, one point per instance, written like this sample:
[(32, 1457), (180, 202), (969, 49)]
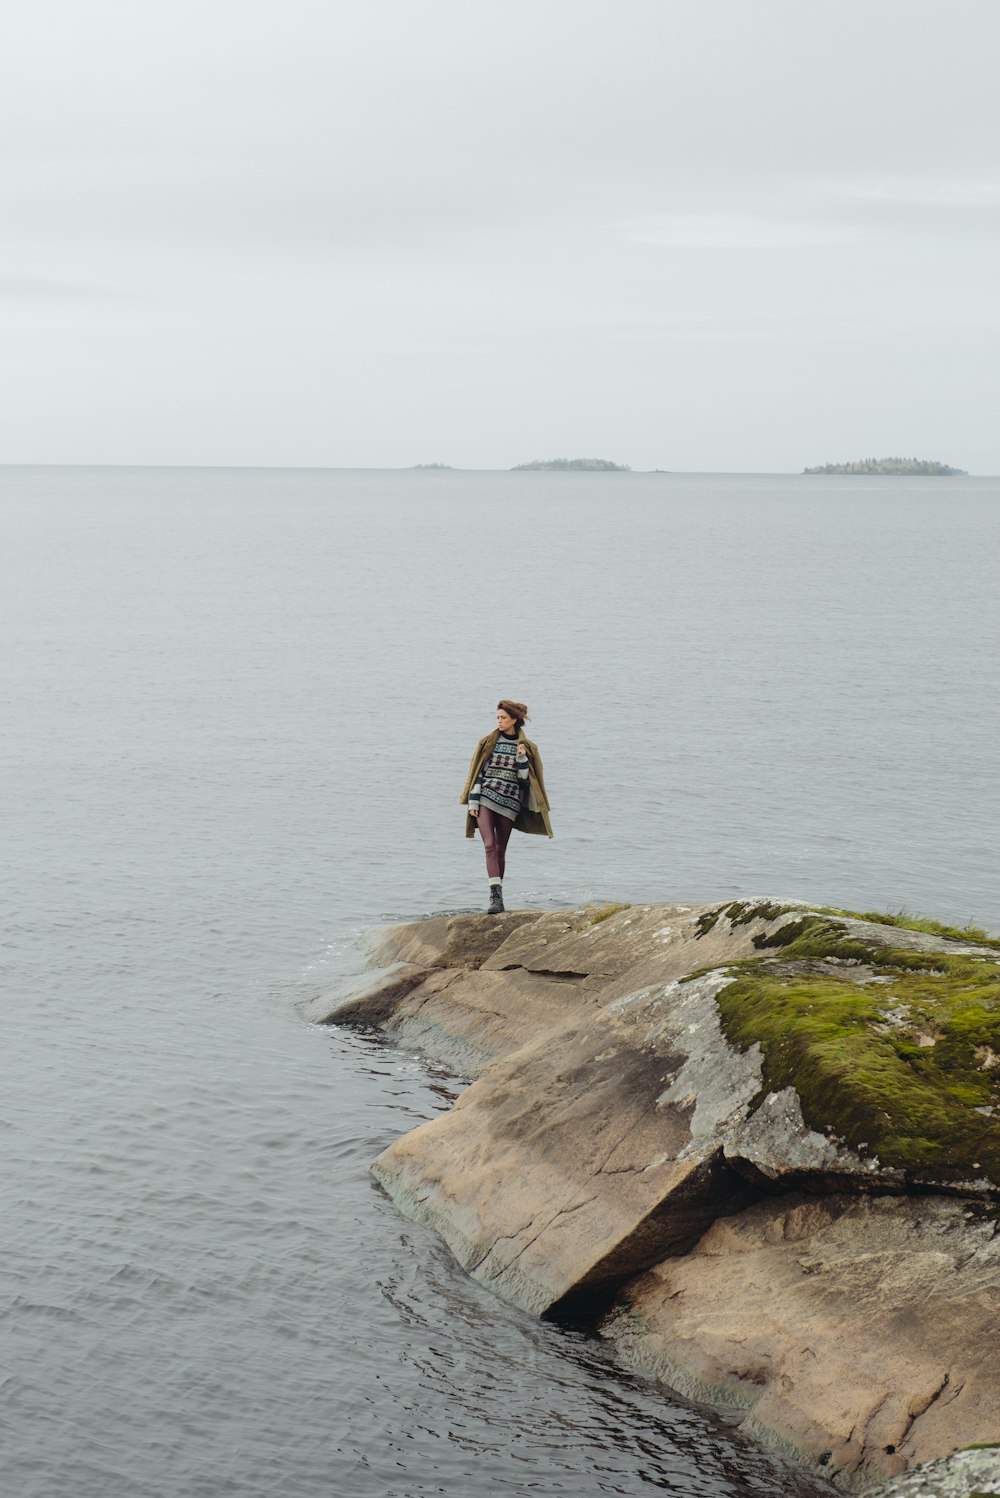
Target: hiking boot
[(496, 900)]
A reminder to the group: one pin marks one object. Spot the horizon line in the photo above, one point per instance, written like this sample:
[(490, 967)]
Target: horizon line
[(455, 468)]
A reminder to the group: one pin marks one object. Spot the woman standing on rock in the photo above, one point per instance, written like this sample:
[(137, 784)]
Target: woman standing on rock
[(505, 789)]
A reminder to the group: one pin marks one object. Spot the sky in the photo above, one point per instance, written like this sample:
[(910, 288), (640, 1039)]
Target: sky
[(722, 235)]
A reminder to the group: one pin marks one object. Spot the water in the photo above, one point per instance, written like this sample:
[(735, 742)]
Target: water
[(239, 707)]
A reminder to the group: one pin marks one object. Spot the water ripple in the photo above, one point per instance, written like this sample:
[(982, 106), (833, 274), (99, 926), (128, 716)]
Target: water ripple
[(214, 683)]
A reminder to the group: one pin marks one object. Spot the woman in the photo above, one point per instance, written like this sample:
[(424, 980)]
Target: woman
[(505, 789)]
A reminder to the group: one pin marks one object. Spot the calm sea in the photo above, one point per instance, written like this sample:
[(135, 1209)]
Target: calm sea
[(238, 711)]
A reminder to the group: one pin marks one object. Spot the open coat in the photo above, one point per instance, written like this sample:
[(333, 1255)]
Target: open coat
[(534, 814)]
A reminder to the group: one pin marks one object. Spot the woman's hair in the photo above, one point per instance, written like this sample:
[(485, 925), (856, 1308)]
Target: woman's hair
[(517, 710)]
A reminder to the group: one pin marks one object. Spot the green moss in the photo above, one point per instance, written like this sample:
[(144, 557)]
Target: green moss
[(608, 910), (814, 936), (920, 923), (705, 922), (740, 913), (901, 1061), (817, 938), (763, 910), (592, 915), (896, 1068)]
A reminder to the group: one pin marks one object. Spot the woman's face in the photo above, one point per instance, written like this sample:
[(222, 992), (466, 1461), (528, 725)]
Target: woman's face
[(505, 722)]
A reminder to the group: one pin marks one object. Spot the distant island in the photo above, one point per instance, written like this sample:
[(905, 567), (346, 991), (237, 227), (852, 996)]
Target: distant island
[(571, 465), (922, 466), (432, 465)]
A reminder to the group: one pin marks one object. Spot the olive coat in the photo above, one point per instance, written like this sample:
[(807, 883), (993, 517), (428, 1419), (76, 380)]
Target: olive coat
[(534, 814)]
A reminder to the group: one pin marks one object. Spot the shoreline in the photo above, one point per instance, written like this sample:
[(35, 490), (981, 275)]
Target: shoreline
[(633, 1147)]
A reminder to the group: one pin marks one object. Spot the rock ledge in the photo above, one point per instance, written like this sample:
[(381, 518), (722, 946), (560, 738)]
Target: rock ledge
[(760, 1141)]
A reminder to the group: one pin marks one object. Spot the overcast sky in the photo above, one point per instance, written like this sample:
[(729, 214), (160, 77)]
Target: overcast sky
[(685, 234)]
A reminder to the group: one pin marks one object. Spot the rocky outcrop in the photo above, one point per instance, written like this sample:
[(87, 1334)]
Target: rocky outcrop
[(852, 1331), (709, 1123), (591, 1156)]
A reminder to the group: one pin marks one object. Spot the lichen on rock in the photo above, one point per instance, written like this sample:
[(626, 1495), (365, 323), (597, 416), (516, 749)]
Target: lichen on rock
[(973, 1472), (771, 1131)]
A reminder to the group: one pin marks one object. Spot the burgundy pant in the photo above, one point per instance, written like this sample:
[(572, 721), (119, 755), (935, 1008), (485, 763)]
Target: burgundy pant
[(494, 831)]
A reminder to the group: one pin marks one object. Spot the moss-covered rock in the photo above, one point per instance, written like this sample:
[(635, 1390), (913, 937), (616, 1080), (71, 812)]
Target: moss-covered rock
[(645, 1072), (892, 1050)]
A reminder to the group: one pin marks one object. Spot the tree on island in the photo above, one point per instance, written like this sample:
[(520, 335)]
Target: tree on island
[(924, 467), (571, 465)]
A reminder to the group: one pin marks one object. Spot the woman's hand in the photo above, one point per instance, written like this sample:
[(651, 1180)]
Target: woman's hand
[(473, 811), (522, 752)]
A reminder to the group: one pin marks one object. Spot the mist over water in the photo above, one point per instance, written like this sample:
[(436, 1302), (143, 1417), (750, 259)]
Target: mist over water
[(239, 707)]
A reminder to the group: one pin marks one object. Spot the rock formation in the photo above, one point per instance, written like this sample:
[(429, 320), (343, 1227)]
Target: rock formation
[(761, 1142)]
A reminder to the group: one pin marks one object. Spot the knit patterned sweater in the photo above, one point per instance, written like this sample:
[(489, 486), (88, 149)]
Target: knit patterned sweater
[(501, 784)]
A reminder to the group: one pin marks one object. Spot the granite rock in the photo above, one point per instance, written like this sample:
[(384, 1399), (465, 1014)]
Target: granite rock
[(971, 1473), (617, 1141), (852, 1332)]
